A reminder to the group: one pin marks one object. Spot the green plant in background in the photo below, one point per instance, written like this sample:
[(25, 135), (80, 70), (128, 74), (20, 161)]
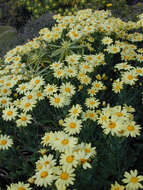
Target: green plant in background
[(66, 7)]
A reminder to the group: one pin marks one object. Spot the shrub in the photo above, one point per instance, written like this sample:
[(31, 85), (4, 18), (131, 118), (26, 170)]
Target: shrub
[(71, 106)]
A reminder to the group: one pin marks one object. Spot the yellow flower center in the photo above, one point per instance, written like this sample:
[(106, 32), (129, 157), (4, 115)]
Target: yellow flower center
[(46, 163), (130, 127), (97, 85), (75, 111), (92, 91), (3, 101), (91, 115), (21, 188), (9, 113), (59, 72), (134, 180), (67, 89), (104, 118), (69, 159), (27, 105), (65, 141), (130, 77), (86, 66), (112, 125), (74, 34), (8, 84), (39, 94), (119, 114), (44, 174), (29, 97), (139, 71), (70, 70), (121, 132), (37, 81), (72, 125), (87, 150), (17, 58), (117, 188), (3, 142), (5, 91), (64, 176), (57, 100), (92, 102), (83, 160), (118, 87), (23, 87), (23, 118), (50, 89)]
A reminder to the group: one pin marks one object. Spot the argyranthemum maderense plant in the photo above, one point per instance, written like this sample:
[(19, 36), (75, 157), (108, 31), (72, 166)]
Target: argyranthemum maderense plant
[(74, 95)]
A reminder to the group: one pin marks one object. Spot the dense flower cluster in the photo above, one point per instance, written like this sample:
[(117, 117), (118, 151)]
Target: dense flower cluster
[(72, 73)]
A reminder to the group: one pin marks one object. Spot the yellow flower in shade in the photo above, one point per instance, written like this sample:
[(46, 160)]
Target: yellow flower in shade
[(117, 186), (132, 180)]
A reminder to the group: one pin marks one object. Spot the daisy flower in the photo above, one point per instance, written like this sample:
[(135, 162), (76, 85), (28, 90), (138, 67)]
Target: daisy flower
[(117, 86), (58, 100), (19, 186), (44, 177), (85, 80), (91, 103), (74, 34), (4, 91), (5, 101), (113, 49), (67, 159), (82, 157), (117, 186), (37, 82), (70, 71), (112, 126), (67, 89), (9, 113), (27, 105), (75, 110), (65, 177), (132, 180), (24, 120), (73, 59), (129, 77), (45, 161), (72, 125), (47, 138), (50, 89), (64, 142), (59, 73), (107, 40), (22, 88), (5, 142), (86, 67), (131, 129)]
